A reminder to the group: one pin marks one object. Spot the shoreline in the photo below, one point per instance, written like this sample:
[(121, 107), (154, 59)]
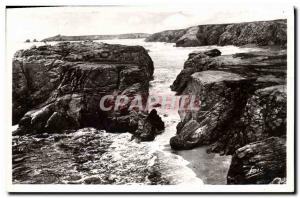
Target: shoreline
[(211, 168), (85, 156)]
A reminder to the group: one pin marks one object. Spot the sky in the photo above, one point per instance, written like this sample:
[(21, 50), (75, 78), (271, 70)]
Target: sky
[(40, 23)]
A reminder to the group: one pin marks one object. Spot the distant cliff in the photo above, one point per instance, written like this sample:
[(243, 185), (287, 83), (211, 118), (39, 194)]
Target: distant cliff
[(96, 37), (260, 33)]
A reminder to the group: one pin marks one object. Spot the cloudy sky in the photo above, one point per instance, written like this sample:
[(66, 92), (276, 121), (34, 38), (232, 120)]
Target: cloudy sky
[(39, 23)]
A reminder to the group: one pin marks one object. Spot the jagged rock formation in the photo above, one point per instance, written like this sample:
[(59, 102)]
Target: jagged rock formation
[(260, 33), (169, 36), (242, 101), (260, 162), (95, 37), (221, 96), (269, 67), (60, 87), (149, 127)]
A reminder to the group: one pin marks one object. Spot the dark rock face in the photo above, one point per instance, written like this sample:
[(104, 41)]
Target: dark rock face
[(197, 61), (60, 87), (263, 116), (213, 53), (268, 67), (222, 96), (189, 39), (149, 127), (168, 36), (261, 33), (242, 101), (185, 137), (260, 162)]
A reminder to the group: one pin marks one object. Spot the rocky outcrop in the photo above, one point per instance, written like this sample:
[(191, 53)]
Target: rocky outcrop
[(168, 36), (260, 33), (242, 109), (60, 87), (95, 37), (149, 127), (268, 67), (84, 156), (263, 116), (260, 162), (221, 96)]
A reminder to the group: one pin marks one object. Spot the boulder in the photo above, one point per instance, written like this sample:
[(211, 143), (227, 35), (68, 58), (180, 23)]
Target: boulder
[(186, 138), (149, 127), (213, 53)]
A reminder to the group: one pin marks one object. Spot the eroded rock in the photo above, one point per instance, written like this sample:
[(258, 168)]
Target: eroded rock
[(60, 87), (149, 126), (261, 162), (267, 67), (84, 156), (242, 111), (263, 116), (221, 96), (260, 33)]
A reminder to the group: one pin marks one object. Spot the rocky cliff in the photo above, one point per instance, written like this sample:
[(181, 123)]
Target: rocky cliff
[(260, 33), (96, 37), (60, 87), (242, 111)]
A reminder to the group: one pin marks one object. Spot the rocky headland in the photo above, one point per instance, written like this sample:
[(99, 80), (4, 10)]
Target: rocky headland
[(60, 87), (261, 33), (56, 94), (242, 111), (95, 37)]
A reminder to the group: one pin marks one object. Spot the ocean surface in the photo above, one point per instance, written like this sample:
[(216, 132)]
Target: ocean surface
[(189, 167)]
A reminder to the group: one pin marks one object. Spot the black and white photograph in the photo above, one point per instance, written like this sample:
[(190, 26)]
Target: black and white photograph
[(111, 98)]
